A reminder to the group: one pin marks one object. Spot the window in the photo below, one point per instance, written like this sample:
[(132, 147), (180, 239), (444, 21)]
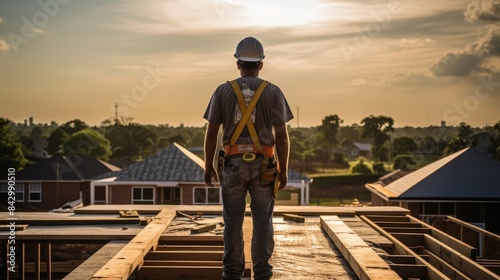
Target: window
[(142, 195), (35, 192), (171, 193), (206, 195), (18, 188), (100, 194)]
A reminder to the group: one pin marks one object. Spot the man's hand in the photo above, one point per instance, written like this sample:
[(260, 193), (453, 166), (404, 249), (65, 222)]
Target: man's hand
[(283, 179), (210, 176)]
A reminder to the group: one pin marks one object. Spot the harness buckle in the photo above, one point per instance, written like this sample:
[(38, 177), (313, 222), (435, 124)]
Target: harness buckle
[(248, 156)]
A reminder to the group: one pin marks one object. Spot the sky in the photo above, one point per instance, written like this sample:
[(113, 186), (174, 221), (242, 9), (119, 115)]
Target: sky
[(158, 62)]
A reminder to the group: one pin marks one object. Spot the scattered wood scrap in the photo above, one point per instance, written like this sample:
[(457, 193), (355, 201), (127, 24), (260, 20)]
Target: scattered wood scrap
[(128, 214), (294, 217), (203, 228)]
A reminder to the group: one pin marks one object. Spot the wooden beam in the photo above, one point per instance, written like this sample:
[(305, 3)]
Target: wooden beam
[(461, 262), (293, 217), (460, 246), (161, 248), (88, 268), (445, 267), (401, 249), (386, 218), (410, 271), (123, 264), (400, 259), (398, 224), (176, 263), (363, 260), (407, 230), (203, 228), (179, 272), (185, 255)]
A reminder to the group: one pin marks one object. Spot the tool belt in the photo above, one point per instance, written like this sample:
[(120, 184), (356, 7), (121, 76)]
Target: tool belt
[(267, 151)]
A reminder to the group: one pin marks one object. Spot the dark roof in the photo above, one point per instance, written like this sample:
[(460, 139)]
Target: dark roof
[(172, 164), (68, 168), (296, 176), (464, 175)]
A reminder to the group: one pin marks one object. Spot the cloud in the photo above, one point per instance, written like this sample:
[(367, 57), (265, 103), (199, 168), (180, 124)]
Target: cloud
[(472, 58), (357, 82), (1, 20), (416, 42), (483, 11), (4, 46)]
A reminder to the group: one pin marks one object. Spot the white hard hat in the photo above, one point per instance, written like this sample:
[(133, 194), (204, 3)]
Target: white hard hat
[(249, 49)]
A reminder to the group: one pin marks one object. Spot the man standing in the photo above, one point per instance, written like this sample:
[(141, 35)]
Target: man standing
[(253, 114)]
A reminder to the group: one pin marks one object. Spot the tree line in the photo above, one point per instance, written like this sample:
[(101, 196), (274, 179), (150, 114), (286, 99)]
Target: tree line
[(126, 141)]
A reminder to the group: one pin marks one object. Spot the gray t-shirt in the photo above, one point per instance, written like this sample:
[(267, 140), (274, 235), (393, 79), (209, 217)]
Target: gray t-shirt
[(272, 110)]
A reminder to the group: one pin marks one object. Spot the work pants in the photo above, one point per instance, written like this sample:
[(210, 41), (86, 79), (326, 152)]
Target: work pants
[(238, 178)]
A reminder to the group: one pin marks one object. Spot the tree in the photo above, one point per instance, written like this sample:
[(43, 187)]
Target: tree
[(87, 143), (11, 154), (403, 162), (329, 131), (461, 141), (61, 134), (131, 142), (377, 128), (361, 167), (403, 145)]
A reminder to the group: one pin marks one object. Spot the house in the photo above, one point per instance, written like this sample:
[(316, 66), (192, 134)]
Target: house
[(358, 150), (52, 182), (173, 175), (465, 185)]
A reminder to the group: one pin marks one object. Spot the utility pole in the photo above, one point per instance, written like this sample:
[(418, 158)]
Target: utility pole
[(116, 112)]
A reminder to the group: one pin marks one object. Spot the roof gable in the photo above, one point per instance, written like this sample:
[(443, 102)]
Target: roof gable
[(173, 163), (467, 174)]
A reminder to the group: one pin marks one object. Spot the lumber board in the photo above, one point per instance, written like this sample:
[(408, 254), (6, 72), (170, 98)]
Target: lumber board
[(90, 266), (293, 217), (407, 230), (203, 228), (461, 262), (398, 224), (123, 264), (400, 259), (363, 260), (367, 233), (401, 249), (387, 218), (189, 248), (460, 246), (17, 227), (410, 271), (445, 267), (191, 239), (409, 239), (191, 263), (185, 255), (182, 272)]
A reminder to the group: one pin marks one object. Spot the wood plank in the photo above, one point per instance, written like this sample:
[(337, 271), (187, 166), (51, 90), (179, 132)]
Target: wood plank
[(123, 264), (398, 224), (401, 249), (179, 272), (367, 233), (410, 271), (293, 217), (190, 263), (386, 218), (90, 266), (185, 255), (363, 260), (407, 230), (17, 227), (203, 228), (400, 259), (189, 248), (445, 267), (460, 246), (461, 262)]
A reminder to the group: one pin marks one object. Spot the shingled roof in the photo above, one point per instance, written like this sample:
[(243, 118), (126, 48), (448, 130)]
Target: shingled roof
[(173, 163), (68, 169), (467, 175)]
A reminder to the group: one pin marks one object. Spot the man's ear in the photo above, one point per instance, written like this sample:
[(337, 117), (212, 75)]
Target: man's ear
[(238, 65), (261, 64)]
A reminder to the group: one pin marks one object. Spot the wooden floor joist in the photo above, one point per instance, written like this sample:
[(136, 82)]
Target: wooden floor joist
[(363, 260), (123, 264)]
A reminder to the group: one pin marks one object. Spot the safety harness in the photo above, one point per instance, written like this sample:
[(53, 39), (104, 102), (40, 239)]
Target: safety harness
[(249, 151)]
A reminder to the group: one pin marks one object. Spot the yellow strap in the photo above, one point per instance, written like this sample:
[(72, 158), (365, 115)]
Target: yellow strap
[(246, 113)]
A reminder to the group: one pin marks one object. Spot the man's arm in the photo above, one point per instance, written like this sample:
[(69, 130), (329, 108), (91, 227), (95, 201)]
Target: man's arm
[(209, 146), (282, 151)]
